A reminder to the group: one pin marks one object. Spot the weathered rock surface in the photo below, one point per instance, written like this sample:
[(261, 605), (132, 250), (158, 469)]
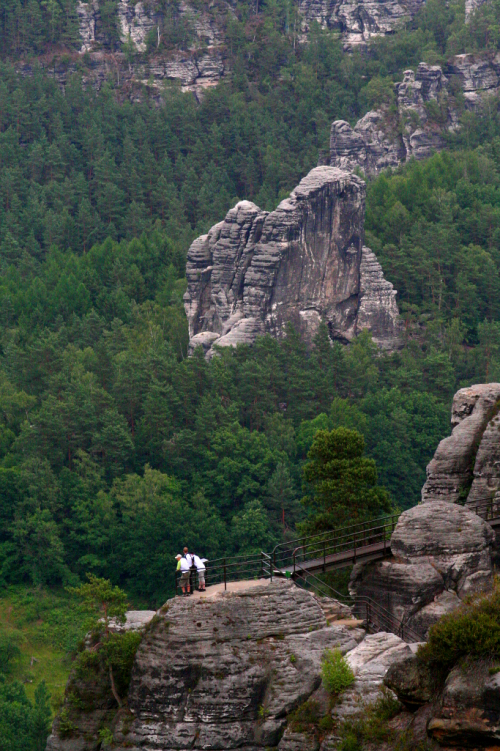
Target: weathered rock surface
[(302, 264), (135, 620), (442, 551), (426, 111), (469, 716), (358, 22), (411, 681), (451, 470), (370, 661), (225, 671), (400, 588), (443, 604)]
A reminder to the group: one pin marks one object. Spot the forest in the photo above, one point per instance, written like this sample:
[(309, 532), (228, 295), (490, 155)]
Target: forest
[(116, 448)]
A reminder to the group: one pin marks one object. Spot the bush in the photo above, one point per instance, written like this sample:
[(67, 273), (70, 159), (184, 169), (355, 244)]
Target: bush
[(472, 630), (335, 671)]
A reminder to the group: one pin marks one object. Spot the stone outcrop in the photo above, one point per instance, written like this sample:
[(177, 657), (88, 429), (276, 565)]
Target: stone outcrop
[(358, 22), (426, 110), (303, 263), (442, 552), (469, 714), (464, 713), (225, 670), (452, 469)]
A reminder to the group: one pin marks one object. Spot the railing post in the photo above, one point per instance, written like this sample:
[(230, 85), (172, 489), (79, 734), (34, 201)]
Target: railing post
[(303, 550), (225, 583), (176, 583), (261, 575), (324, 558)]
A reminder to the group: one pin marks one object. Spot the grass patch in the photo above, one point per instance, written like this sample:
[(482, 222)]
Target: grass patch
[(45, 627), (372, 728)]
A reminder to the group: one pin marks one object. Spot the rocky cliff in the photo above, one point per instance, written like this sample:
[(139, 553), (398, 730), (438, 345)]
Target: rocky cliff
[(442, 550), (429, 102), (465, 465), (226, 670), (358, 22), (303, 263)]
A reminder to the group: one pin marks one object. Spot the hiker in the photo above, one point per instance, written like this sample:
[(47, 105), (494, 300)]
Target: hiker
[(200, 568), (185, 568), (190, 559)]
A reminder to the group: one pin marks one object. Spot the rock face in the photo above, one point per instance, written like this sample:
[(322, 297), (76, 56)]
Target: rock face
[(225, 671), (426, 111), (452, 469), (442, 552), (302, 264), (469, 715), (358, 22)]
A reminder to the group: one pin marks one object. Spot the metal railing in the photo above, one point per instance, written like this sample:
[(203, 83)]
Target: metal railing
[(487, 507), (351, 539), (375, 617)]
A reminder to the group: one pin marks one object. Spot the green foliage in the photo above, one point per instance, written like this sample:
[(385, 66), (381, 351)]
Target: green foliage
[(373, 728), (105, 600), (23, 726), (471, 631), (335, 671), (343, 481), (311, 719)]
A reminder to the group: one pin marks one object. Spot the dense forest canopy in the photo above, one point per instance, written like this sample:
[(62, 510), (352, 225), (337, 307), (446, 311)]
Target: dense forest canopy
[(115, 447)]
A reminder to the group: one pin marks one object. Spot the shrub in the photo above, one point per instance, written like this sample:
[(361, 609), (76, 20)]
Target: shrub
[(335, 671), (472, 630)]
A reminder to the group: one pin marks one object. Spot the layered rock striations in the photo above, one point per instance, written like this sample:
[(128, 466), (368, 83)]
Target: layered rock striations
[(358, 22), (442, 552), (226, 669), (467, 458), (426, 110), (303, 263)]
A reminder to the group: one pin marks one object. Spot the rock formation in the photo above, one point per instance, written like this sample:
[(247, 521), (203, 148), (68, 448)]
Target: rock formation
[(358, 22), (463, 458), (461, 714), (302, 264), (225, 670), (426, 111), (442, 552)]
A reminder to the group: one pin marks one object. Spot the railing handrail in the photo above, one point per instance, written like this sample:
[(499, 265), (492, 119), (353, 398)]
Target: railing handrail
[(397, 627), (325, 536)]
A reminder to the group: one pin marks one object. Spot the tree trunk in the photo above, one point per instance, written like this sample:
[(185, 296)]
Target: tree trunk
[(113, 687)]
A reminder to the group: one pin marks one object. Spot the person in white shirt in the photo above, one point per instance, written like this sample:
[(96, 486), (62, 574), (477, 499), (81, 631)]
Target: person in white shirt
[(200, 567), (184, 566)]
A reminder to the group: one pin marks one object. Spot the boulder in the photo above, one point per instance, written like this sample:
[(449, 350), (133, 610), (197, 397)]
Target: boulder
[(443, 604), (453, 539), (469, 715), (401, 589), (370, 661), (303, 263), (411, 681)]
